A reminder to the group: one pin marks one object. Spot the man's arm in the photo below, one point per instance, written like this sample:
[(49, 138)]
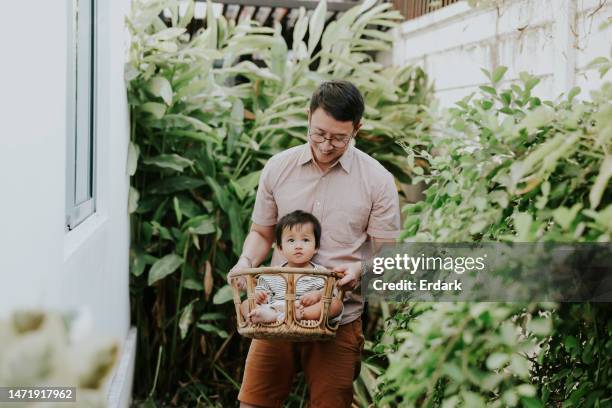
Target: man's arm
[(258, 243), (352, 271), (255, 248)]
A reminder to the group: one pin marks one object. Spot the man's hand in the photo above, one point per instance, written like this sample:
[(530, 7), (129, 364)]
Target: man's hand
[(352, 275), (240, 281), (261, 297), (310, 298)]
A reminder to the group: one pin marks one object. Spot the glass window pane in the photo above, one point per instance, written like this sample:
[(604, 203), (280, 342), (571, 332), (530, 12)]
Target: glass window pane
[(84, 128)]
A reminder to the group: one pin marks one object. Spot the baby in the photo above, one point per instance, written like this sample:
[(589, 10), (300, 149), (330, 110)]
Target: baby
[(298, 235)]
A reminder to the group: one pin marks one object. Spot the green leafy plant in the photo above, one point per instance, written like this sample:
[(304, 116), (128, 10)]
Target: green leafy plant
[(205, 118), (504, 165)]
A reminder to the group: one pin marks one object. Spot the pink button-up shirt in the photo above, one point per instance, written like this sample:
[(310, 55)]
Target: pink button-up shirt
[(355, 198)]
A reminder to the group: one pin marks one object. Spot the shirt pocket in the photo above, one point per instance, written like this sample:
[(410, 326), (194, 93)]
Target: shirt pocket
[(346, 223)]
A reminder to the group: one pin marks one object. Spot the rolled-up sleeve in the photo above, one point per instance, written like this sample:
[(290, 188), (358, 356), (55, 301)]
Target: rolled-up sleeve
[(265, 210), (384, 219)]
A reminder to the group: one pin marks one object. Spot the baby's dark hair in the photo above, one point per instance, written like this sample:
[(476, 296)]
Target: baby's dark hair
[(297, 217)]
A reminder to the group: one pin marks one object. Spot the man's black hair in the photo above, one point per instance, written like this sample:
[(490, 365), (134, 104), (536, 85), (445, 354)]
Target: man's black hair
[(340, 99), (297, 217)]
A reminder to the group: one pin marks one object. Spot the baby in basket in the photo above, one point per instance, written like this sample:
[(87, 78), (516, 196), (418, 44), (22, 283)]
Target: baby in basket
[(298, 235)]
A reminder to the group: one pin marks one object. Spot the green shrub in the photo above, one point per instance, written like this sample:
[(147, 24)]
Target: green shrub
[(504, 165)]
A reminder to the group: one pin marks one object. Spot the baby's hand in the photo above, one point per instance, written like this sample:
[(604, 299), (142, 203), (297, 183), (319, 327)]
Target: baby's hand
[(240, 282), (260, 297), (310, 298)]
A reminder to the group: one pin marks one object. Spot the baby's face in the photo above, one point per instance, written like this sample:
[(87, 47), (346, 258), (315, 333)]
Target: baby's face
[(298, 244)]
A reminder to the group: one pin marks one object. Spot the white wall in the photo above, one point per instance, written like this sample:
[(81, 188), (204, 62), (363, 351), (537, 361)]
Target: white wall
[(553, 39), (41, 265)]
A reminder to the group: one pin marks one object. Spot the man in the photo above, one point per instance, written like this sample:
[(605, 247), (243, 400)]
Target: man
[(356, 200)]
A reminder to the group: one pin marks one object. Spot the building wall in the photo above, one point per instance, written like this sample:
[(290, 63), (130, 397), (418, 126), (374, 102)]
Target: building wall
[(553, 39), (42, 265)]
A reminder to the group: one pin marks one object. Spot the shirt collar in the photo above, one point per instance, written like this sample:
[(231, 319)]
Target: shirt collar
[(346, 160)]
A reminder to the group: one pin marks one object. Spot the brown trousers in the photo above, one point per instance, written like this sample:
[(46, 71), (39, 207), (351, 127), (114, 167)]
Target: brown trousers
[(329, 367)]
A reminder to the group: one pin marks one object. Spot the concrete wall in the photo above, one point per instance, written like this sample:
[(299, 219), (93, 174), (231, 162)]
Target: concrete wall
[(42, 265), (553, 39)]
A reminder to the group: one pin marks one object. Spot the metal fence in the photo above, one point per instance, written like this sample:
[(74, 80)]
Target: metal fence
[(411, 9)]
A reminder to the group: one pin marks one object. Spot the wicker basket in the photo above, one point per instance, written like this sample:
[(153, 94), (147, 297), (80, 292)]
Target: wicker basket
[(289, 329)]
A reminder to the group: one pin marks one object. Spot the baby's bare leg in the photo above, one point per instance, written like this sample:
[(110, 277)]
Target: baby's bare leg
[(264, 314), (312, 312), (244, 308)]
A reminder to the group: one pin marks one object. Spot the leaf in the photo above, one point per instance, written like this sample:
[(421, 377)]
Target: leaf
[(132, 158), (510, 398), (160, 86), (573, 93), (139, 261), (496, 361), (453, 371), (192, 284), (519, 366), (540, 326), (211, 26), (180, 120), (486, 72), (249, 182), (201, 225), (531, 402), (565, 216), (315, 26), (164, 267), (247, 67), (473, 400), (500, 197), (221, 195), (489, 89), (166, 35), (601, 182), (570, 342), (199, 136), (526, 390), (174, 184), (133, 197), (186, 320), (522, 225), (300, 27), (177, 209), (237, 233), (213, 316), (223, 295), (537, 118), (208, 280), (480, 203), (478, 226), (169, 161), (506, 99), (498, 74), (156, 109), (366, 5), (209, 328), (597, 61), (187, 16)]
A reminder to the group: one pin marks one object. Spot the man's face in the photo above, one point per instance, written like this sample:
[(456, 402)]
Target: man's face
[(298, 244), (322, 124)]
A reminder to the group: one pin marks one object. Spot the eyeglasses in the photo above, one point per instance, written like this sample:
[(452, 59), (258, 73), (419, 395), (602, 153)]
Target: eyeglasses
[(337, 141)]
